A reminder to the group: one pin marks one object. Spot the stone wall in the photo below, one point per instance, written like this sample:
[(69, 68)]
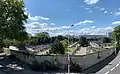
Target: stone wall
[(83, 61)]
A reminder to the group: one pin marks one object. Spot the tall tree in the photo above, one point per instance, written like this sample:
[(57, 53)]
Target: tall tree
[(12, 19), (116, 34)]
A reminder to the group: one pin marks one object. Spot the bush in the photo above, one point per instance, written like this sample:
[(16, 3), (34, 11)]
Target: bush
[(57, 47), (64, 43), (33, 41), (83, 41), (106, 40), (75, 67), (9, 42), (44, 66)]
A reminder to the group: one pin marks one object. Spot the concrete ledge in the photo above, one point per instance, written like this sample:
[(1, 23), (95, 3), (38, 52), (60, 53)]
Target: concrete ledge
[(2, 54)]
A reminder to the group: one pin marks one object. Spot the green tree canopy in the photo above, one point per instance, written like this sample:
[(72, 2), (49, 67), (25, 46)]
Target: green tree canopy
[(57, 47), (106, 40), (42, 37), (8, 42), (64, 43), (83, 41), (116, 34), (12, 19)]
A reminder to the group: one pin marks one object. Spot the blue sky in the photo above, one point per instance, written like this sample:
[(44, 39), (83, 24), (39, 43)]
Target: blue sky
[(88, 16)]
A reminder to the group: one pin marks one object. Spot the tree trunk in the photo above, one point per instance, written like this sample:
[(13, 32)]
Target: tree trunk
[(1, 45)]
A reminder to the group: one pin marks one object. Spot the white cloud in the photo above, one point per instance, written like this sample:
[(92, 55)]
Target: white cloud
[(118, 8), (89, 31), (53, 24), (92, 31), (90, 11), (105, 12), (85, 22), (25, 9), (57, 28), (116, 22), (36, 18), (89, 2), (102, 9), (93, 27), (95, 31), (63, 27), (44, 18), (87, 8), (111, 12), (117, 13), (36, 27)]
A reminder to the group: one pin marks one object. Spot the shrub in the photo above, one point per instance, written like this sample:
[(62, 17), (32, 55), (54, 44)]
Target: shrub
[(57, 47)]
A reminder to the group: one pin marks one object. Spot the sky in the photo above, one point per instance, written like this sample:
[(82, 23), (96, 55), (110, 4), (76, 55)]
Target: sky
[(91, 17)]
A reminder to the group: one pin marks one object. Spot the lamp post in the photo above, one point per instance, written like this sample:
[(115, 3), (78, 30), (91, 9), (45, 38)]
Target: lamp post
[(68, 57)]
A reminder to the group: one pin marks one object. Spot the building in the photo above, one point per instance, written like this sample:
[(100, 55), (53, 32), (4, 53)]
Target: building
[(110, 34), (93, 36)]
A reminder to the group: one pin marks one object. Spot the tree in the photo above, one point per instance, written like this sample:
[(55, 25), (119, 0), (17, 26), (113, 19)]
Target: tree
[(12, 19), (57, 47), (116, 34), (83, 41), (106, 40), (64, 43), (43, 34), (9, 42), (42, 37), (60, 37), (33, 41)]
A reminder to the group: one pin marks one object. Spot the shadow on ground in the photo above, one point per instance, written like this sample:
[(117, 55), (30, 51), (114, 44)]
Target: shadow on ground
[(95, 68), (12, 65), (8, 65)]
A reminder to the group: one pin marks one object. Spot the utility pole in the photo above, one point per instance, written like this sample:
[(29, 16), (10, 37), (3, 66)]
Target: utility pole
[(68, 56)]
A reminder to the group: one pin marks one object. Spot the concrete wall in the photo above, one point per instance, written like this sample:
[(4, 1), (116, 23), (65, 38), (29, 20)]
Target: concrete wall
[(83, 61), (91, 59)]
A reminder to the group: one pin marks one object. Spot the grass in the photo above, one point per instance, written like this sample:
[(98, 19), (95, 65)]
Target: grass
[(71, 50)]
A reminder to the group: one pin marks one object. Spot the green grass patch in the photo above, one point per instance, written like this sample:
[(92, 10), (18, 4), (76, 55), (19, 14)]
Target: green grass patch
[(70, 49)]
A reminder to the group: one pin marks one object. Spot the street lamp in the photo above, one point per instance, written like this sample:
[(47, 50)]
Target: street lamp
[(68, 51)]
